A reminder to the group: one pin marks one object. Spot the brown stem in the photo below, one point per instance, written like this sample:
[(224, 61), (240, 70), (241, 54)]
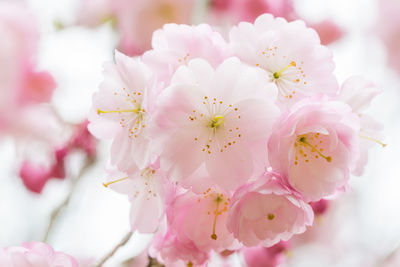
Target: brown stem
[(115, 249), (56, 212)]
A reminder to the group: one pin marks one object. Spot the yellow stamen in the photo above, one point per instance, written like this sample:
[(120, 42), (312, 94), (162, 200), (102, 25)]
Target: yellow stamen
[(217, 121), (136, 110), (278, 74), (271, 216), (189, 264), (373, 140), (115, 181), (218, 200), (304, 141)]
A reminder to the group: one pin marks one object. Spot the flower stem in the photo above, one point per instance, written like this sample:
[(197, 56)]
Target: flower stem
[(56, 212), (123, 241)]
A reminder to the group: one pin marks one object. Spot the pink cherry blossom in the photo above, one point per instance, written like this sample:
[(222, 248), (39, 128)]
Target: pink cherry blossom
[(21, 85), (92, 13), (34, 176), (175, 45), (35, 254), (328, 31), (249, 10), (121, 111), (315, 147), (264, 212), (358, 93), (20, 82), (222, 116), (137, 20), (145, 189), (265, 257), (290, 52), (169, 250), (320, 207), (388, 28), (201, 219)]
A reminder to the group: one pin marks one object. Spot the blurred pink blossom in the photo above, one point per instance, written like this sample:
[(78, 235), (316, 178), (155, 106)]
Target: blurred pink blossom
[(35, 254), (266, 257), (388, 28), (135, 21)]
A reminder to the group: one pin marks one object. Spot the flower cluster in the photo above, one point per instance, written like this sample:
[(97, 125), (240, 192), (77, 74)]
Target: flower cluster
[(221, 144)]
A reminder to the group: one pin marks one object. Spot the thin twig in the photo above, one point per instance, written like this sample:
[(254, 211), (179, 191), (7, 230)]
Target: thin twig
[(115, 249), (59, 208), (386, 260)]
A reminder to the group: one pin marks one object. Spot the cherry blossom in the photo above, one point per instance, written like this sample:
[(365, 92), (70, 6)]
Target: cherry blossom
[(358, 93), (290, 52), (168, 249), (35, 254), (388, 29), (266, 257), (145, 189), (175, 45), (222, 116), (21, 84), (201, 219), (264, 212), (316, 146), (121, 111)]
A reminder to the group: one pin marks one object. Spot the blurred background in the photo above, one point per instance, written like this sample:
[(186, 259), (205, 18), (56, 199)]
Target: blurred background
[(361, 228)]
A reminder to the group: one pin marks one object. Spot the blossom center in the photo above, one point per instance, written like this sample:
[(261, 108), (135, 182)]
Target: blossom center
[(278, 74), (303, 143), (217, 121), (220, 202)]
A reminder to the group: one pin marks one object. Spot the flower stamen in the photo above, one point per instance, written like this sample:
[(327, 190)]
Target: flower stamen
[(217, 121), (278, 74), (136, 110), (219, 199), (373, 140), (314, 149), (115, 181)]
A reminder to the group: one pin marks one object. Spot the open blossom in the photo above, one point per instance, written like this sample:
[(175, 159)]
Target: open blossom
[(264, 212), (35, 254), (175, 45), (201, 219), (222, 116), (315, 147), (121, 111), (169, 250), (358, 93), (290, 52), (145, 189)]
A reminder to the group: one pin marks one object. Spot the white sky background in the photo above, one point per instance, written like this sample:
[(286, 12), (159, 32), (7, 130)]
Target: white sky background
[(367, 221)]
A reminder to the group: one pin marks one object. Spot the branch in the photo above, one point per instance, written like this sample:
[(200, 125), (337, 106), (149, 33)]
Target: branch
[(56, 212), (115, 249)]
